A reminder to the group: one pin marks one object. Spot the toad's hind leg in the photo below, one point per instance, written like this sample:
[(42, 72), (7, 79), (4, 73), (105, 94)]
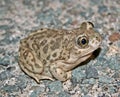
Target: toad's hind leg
[(30, 64), (60, 74)]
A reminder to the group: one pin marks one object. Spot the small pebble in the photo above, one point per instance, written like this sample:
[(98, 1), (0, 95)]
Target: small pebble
[(91, 72), (114, 37)]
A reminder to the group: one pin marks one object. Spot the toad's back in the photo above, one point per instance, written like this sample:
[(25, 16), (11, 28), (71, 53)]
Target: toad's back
[(47, 44)]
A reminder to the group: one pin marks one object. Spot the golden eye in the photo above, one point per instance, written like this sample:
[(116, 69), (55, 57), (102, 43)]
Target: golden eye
[(82, 41)]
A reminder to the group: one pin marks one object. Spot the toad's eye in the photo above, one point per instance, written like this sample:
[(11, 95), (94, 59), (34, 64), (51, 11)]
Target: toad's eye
[(82, 41)]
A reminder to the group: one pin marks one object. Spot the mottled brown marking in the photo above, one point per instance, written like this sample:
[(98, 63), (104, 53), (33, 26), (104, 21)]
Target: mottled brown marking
[(65, 54), (55, 46), (31, 38), (26, 45), (55, 34), (55, 69), (32, 68), (39, 54), (54, 55), (52, 42), (66, 41), (37, 38), (44, 61), (27, 62), (31, 65), (25, 54), (43, 42), (49, 34), (59, 39), (48, 57), (23, 42), (37, 65), (32, 60), (35, 46), (45, 49)]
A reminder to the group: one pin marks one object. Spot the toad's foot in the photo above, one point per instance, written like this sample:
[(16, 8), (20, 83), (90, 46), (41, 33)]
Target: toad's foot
[(60, 74)]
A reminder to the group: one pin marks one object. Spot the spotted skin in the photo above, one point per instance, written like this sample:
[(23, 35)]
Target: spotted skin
[(52, 54)]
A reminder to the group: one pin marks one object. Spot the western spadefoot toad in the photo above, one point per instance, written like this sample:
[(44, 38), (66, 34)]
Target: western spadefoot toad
[(52, 54)]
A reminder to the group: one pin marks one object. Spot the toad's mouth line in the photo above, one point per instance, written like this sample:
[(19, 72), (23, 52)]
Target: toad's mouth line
[(82, 58), (90, 53), (86, 56), (75, 63)]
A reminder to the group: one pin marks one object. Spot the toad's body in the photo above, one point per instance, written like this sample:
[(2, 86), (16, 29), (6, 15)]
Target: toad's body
[(52, 54)]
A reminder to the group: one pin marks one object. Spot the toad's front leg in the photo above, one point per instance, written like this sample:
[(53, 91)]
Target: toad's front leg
[(59, 73)]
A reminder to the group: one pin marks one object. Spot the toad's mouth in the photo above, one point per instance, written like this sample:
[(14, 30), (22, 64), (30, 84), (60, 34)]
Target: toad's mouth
[(89, 53), (86, 56), (72, 64), (83, 58), (80, 59)]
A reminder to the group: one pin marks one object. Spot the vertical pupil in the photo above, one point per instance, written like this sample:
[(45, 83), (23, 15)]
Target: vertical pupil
[(83, 41)]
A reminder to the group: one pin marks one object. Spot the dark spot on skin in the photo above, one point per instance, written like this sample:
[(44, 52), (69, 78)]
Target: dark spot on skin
[(49, 34), (35, 46), (39, 54), (37, 65), (31, 65), (45, 49), (38, 38), (27, 62), (48, 57), (31, 38), (43, 42), (54, 55), (52, 42), (59, 40), (27, 45), (55, 70), (55, 34), (55, 46), (25, 54), (65, 76), (44, 61), (32, 60)]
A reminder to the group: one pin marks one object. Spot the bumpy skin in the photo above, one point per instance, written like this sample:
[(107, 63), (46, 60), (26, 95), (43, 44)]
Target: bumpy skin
[(52, 54)]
